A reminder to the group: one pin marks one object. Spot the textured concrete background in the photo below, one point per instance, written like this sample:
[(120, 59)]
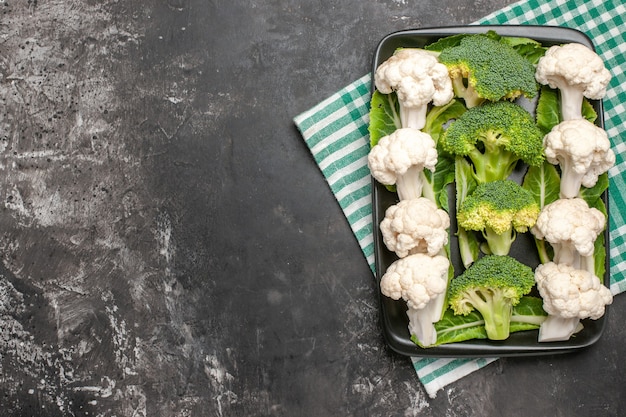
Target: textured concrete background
[(168, 246)]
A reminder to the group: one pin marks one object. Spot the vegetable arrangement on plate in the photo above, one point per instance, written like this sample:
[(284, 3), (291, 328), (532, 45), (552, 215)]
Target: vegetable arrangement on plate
[(505, 123)]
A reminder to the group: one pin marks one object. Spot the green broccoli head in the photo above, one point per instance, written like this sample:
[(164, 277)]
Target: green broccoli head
[(485, 69), (492, 285), (495, 136), (499, 209)]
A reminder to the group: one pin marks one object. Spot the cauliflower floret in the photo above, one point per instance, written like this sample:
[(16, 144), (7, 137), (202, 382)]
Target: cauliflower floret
[(577, 72), (400, 158), (415, 226), (569, 295), (418, 78), (421, 281), (571, 227), (582, 150)]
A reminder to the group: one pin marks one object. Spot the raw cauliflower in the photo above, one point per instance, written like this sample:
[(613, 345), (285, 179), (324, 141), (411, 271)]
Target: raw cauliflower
[(577, 71), (415, 226), (400, 159), (583, 152), (421, 281), (571, 227), (418, 79), (569, 295)]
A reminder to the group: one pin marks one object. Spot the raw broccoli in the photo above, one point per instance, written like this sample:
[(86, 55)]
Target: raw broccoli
[(492, 285), (495, 136), (485, 69), (499, 209)]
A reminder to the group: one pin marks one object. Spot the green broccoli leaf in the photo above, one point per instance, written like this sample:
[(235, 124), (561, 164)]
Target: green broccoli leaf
[(599, 257), (593, 197), (465, 183), (548, 112), (453, 328), (438, 118), (526, 47), (543, 182), (439, 180), (528, 314), (529, 48), (589, 112), (447, 42), (384, 116)]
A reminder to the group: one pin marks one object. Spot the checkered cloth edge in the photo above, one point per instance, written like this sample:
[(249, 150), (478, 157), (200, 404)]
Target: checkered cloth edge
[(336, 132)]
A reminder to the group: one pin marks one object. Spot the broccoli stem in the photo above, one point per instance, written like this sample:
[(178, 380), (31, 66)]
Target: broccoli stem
[(462, 89), (492, 164), (499, 243), (468, 246), (496, 310)]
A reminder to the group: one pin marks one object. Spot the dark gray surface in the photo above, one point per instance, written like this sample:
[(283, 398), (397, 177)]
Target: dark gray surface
[(169, 246)]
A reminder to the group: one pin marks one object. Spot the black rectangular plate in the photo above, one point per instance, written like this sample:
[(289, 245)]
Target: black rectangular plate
[(393, 313)]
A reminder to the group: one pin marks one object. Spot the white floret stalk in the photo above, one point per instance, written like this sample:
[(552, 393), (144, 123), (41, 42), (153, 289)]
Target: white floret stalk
[(421, 324), (571, 103), (556, 328), (422, 321), (436, 307), (409, 185), (588, 263), (565, 253), (571, 181), (413, 117), (427, 189)]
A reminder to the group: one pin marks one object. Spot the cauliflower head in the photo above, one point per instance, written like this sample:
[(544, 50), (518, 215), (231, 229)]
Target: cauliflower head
[(417, 279), (577, 71), (571, 227), (570, 221), (582, 150), (418, 78), (400, 158), (576, 65), (568, 292), (415, 226)]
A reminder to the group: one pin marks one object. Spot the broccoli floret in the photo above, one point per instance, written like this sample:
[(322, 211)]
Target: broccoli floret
[(484, 69), (492, 285), (499, 209), (495, 136)]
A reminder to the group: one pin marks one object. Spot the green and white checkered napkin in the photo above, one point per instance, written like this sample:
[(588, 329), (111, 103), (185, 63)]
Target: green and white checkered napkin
[(336, 131)]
